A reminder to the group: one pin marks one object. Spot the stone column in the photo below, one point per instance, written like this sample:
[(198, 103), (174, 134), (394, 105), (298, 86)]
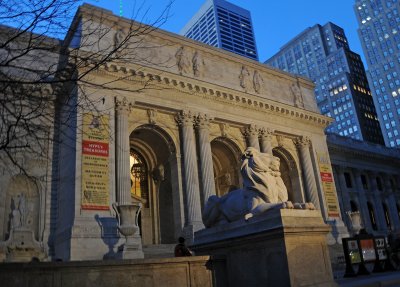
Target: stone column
[(123, 108), (251, 133), (193, 221), (391, 202), (344, 193), (207, 171), (266, 140), (377, 199), (303, 144), (362, 199)]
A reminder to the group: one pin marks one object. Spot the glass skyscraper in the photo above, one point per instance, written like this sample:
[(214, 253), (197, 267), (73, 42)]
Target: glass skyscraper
[(322, 54), (379, 31), (221, 24)]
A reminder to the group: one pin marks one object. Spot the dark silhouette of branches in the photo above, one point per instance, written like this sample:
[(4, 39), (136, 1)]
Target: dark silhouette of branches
[(47, 57)]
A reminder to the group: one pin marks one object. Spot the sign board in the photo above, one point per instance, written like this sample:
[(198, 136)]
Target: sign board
[(354, 252), (95, 162), (381, 248), (328, 187), (367, 249)]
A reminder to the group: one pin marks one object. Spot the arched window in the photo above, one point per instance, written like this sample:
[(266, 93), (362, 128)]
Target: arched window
[(139, 186)]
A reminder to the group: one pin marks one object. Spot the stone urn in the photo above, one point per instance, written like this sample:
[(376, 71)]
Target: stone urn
[(127, 216), (355, 220)]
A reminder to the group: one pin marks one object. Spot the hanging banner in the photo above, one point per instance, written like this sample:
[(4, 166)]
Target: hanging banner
[(95, 160), (328, 187)]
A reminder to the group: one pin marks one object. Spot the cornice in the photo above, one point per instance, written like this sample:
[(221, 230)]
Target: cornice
[(361, 154), (192, 86)]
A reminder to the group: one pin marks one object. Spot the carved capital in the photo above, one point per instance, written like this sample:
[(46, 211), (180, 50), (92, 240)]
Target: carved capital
[(202, 121), (302, 142), (251, 130), (184, 118), (123, 105), (266, 133)]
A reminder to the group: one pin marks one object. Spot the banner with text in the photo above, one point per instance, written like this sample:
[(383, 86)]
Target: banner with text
[(95, 172), (328, 187)]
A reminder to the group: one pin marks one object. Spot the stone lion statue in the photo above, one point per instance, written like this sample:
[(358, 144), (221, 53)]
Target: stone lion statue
[(263, 189)]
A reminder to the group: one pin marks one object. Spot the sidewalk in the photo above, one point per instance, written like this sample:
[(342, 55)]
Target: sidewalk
[(386, 279)]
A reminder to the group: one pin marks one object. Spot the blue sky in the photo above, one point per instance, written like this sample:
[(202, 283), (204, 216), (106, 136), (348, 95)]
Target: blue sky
[(275, 21)]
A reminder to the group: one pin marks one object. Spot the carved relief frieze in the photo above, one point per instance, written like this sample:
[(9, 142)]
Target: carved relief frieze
[(244, 78), (249, 84), (119, 37), (297, 95), (217, 95), (187, 64), (198, 64), (257, 82), (182, 60)]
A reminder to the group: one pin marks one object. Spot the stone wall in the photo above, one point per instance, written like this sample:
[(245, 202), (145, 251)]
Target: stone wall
[(184, 271)]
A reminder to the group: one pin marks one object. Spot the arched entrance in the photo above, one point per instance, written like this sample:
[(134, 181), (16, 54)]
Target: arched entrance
[(226, 164), (289, 174), (153, 161)]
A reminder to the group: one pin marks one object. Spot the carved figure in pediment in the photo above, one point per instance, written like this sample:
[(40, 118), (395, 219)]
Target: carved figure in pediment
[(119, 37), (224, 129), (182, 62), (257, 81), (297, 96), (152, 114), (197, 64), (244, 78)]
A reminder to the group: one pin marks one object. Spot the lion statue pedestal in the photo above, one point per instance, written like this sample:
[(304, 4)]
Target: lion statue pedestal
[(265, 239), (282, 247)]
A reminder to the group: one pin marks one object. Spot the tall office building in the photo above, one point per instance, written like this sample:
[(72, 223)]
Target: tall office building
[(379, 31), (221, 24), (322, 53)]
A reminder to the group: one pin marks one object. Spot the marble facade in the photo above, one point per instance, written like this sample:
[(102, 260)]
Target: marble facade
[(184, 118), (195, 118)]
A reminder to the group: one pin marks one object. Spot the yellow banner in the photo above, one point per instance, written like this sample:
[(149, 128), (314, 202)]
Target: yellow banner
[(95, 159), (325, 171)]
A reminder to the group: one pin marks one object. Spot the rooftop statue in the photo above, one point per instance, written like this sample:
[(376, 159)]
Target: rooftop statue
[(263, 189)]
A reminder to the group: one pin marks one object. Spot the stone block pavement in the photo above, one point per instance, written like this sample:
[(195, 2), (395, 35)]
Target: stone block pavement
[(387, 279)]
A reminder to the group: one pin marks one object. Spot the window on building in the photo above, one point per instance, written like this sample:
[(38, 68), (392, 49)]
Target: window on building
[(392, 185), (387, 217), (364, 181), (372, 216), (379, 183), (347, 179), (353, 206)]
